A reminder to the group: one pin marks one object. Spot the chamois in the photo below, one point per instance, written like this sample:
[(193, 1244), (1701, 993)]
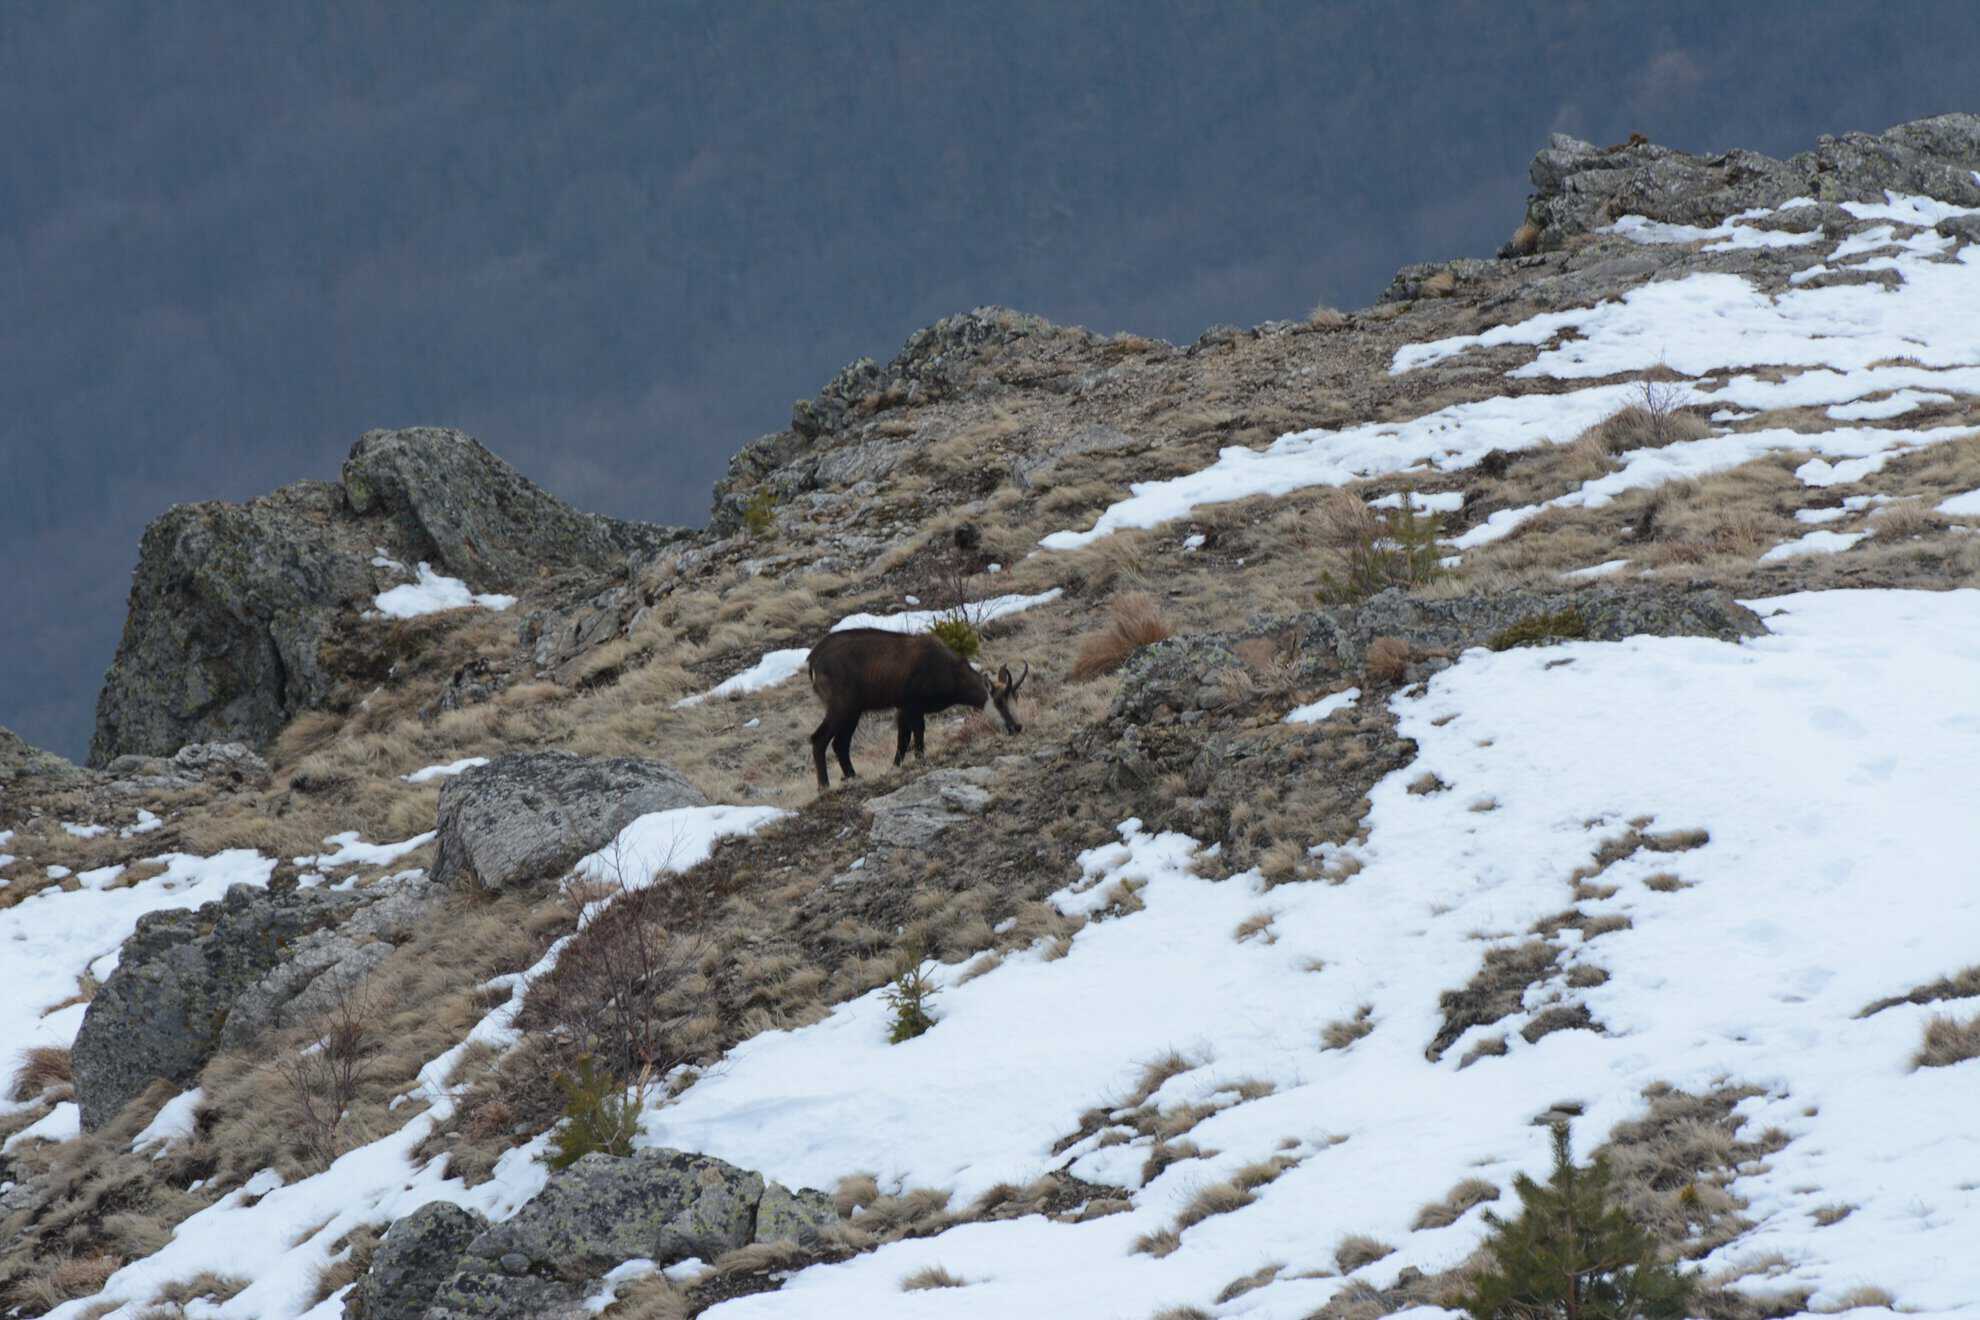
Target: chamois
[(863, 669)]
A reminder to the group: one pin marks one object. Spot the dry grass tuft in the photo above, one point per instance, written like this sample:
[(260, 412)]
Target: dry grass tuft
[(1857, 1299), (932, 1276), (1258, 923), (1258, 1278), (1461, 1198), (1387, 660), (1135, 621), (1357, 1250), (1831, 1214), (1155, 1074), (1216, 1199), (41, 1067), (1948, 1041), (1340, 1034)]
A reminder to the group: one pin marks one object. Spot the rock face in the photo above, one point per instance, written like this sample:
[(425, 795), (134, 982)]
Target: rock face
[(1581, 187), (412, 1261), (1183, 673), (188, 983), (229, 609), (231, 603), (453, 502), (663, 1205), (524, 818)]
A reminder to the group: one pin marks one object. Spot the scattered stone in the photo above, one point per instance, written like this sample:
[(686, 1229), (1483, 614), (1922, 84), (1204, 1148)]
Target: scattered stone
[(528, 817), (912, 816)]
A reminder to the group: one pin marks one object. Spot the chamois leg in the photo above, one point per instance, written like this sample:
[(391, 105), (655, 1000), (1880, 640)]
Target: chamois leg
[(842, 741), (819, 737), (904, 731), (920, 737)]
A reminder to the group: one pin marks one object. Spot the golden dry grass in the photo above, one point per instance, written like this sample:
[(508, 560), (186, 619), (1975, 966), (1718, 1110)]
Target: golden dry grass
[(1948, 1041), (1358, 1249), (930, 1276), (1135, 620), (41, 1067)]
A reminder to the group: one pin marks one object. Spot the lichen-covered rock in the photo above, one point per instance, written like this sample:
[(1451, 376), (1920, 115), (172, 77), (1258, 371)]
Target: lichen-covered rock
[(482, 1290), (453, 502), (787, 1216), (527, 817), (415, 1257), (22, 760), (909, 817), (938, 361), (220, 765), (665, 1205), (320, 968), (231, 604), (1186, 674), (1580, 187), (229, 609), (163, 1011)]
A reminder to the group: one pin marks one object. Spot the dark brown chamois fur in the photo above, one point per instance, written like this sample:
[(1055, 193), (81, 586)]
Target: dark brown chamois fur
[(863, 669)]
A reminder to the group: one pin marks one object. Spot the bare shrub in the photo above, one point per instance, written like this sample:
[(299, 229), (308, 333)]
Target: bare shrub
[(1656, 418), (1948, 1041), (324, 1073), (618, 988), (41, 1067), (1135, 620)]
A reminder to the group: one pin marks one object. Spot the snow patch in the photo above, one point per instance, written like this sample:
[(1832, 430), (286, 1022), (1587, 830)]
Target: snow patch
[(443, 771), (430, 593), (1314, 712)]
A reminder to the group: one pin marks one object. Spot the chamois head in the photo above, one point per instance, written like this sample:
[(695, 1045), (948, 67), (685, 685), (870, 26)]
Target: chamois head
[(1004, 691)]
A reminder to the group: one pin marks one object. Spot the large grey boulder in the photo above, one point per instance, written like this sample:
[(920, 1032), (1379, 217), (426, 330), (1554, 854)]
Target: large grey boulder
[(453, 502), (660, 1205), (229, 610), (1580, 187), (482, 1290), (416, 1256), (320, 969), (525, 818), (189, 983), (665, 1205)]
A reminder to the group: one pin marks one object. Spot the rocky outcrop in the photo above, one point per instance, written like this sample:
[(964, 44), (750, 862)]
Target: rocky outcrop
[(1580, 187), (527, 817), (938, 361), (215, 765), (229, 610), (231, 604), (188, 983), (21, 760), (443, 1263), (1187, 674), (412, 1260), (453, 503)]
